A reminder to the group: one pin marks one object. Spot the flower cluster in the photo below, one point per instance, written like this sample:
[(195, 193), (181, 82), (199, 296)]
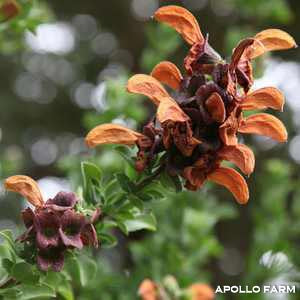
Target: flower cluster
[(150, 290), (197, 128), (53, 226)]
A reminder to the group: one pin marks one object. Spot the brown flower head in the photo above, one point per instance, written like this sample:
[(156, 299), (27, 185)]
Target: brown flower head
[(46, 225), (199, 126), (51, 259), (54, 226), (62, 201), (72, 225)]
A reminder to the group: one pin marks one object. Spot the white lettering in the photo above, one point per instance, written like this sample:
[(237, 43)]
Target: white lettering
[(291, 289)]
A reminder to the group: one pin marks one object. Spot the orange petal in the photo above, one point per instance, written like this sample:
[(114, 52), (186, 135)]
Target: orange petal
[(148, 290), (233, 181), (239, 51), (148, 86), (201, 291), (264, 124), (111, 134), (25, 186), (216, 108), (241, 155), (267, 97), (167, 73), (182, 21), (228, 130), (195, 177), (169, 110), (273, 39)]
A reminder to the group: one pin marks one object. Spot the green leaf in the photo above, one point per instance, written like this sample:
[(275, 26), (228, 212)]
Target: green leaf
[(82, 269), (143, 221), (65, 290), (125, 182), (122, 152), (107, 240), (35, 292), (136, 201), (53, 279), (171, 182), (7, 235), (91, 181), (24, 273)]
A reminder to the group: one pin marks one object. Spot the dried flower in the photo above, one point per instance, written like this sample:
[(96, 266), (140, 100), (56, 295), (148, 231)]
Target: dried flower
[(62, 201), (51, 258), (54, 226), (199, 126), (46, 225), (72, 225)]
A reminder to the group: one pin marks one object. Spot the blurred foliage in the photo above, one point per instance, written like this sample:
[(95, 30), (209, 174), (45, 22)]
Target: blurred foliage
[(32, 13), (194, 230)]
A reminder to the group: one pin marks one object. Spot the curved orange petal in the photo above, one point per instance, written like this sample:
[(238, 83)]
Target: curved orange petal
[(111, 134), (268, 97), (264, 124), (182, 21), (215, 107), (167, 73), (169, 110), (241, 155), (233, 181), (148, 86), (25, 186), (273, 39)]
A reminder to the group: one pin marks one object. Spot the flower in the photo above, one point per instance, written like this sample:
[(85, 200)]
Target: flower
[(62, 201), (46, 225), (9, 9), (148, 290), (201, 291), (199, 127), (72, 224), (54, 226), (51, 258)]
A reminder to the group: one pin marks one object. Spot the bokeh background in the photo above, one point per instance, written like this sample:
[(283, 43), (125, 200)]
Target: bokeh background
[(70, 75)]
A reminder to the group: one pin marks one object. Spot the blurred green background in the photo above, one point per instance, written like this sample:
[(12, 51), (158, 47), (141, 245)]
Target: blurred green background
[(70, 75)]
